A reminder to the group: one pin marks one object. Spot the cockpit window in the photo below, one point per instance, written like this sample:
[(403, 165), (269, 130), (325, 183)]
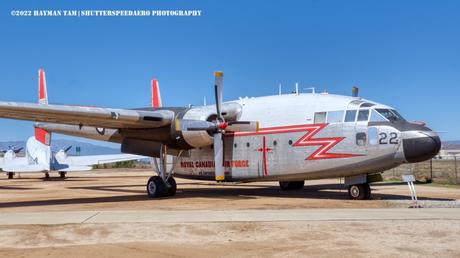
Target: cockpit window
[(366, 104), (376, 117), (363, 114), (390, 114)]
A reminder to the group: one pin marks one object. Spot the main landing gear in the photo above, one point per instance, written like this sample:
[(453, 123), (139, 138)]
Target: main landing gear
[(359, 191), (10, 175), (62, 174), (291, 185), (163, 184)]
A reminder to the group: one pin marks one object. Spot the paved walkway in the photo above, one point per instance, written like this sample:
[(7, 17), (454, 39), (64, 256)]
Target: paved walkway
[(204, 216)]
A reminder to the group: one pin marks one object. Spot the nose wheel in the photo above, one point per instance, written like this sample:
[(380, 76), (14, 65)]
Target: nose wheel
[(359, 191)]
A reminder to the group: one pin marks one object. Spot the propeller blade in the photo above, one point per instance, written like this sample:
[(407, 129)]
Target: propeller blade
[(218, 94), (195, 125), (68, 148), (243, 126), (18, 150), (219, 157)]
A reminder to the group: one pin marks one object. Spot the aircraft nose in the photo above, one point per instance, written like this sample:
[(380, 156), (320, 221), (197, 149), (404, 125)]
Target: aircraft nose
[(421, 148)]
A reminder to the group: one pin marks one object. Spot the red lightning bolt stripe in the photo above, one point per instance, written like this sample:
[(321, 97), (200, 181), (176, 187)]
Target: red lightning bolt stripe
[(325, 144), (306, 140)]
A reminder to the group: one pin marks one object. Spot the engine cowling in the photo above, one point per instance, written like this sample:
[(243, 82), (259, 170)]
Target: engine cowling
[(230, 111)]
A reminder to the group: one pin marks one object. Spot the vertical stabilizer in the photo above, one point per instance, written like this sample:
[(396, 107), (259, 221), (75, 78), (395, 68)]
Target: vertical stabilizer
[(42, 93), (156, 97), (42, 135)]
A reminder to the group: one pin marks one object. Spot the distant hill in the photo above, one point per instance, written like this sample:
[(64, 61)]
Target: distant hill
[(86, 148), (451, 145)]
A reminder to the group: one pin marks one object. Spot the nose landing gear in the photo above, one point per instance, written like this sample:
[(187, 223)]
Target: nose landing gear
[(359, 191)]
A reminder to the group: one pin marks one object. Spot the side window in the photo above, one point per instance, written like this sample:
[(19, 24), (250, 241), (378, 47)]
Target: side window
[(320, 117), (334, 116), (350, 116), (363, 115), (361, 139), (373, 135)]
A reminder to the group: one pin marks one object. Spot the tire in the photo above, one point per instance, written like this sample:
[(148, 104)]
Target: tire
[(10, 175), (62, 174), (368, 191), (358, 192), (171, 191), (156, 188), (291, 185)]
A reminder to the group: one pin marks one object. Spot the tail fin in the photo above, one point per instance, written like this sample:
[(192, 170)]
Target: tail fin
[(42, 135), (156, 97), (42, 93)]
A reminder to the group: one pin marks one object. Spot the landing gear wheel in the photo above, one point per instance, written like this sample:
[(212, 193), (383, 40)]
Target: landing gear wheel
[(171, 191), (10, 175), (368, 191), (156, 187), (62, 174), (359, 191), (291, 185)]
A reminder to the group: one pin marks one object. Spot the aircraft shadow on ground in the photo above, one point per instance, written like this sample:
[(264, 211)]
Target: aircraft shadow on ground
[(18, 187), (326, 191)]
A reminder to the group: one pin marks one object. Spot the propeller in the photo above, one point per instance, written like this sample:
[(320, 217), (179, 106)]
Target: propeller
[(13, 149), (67, 149), (218, 128)]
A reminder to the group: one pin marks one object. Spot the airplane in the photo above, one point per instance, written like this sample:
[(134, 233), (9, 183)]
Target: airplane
[(40, 158), (287, 138)]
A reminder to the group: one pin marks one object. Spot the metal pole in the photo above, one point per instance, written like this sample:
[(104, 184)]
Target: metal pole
[(431, 170), (455, 166)]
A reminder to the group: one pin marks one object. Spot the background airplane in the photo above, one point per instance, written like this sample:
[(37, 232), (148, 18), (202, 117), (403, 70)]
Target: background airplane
[(40, 158), (301, 137)]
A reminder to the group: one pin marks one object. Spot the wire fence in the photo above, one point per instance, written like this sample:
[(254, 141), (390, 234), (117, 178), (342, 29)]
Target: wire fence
[(443, 170)]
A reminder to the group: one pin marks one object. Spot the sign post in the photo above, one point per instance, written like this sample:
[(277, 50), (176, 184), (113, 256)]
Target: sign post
[(409, 179)]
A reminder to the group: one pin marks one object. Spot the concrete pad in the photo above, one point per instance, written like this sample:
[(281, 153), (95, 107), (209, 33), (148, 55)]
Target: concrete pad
[(210, 216)]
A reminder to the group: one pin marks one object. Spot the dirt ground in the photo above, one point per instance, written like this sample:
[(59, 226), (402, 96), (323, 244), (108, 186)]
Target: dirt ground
[(106, 190)]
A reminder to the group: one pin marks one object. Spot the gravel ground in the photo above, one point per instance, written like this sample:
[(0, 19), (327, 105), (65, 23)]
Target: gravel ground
[(106, 190)]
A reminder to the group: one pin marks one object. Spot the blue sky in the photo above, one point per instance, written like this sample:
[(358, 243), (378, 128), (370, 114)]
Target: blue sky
[(401, 53)]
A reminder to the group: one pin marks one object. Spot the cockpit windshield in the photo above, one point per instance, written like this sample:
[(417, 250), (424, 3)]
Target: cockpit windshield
[(390, 114)]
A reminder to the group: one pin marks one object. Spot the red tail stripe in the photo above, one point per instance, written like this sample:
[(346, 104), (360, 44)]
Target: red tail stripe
[(41, 84), (42, 136), (156, 102)]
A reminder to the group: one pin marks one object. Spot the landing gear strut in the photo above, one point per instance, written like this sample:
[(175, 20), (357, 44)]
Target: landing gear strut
[(359, 191), (291, 185), (163, 184), (10, 175)]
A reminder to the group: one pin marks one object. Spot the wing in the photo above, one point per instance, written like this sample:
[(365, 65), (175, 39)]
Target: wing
[(13, 162), (25, 168), (91, 116), (98, 159)]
